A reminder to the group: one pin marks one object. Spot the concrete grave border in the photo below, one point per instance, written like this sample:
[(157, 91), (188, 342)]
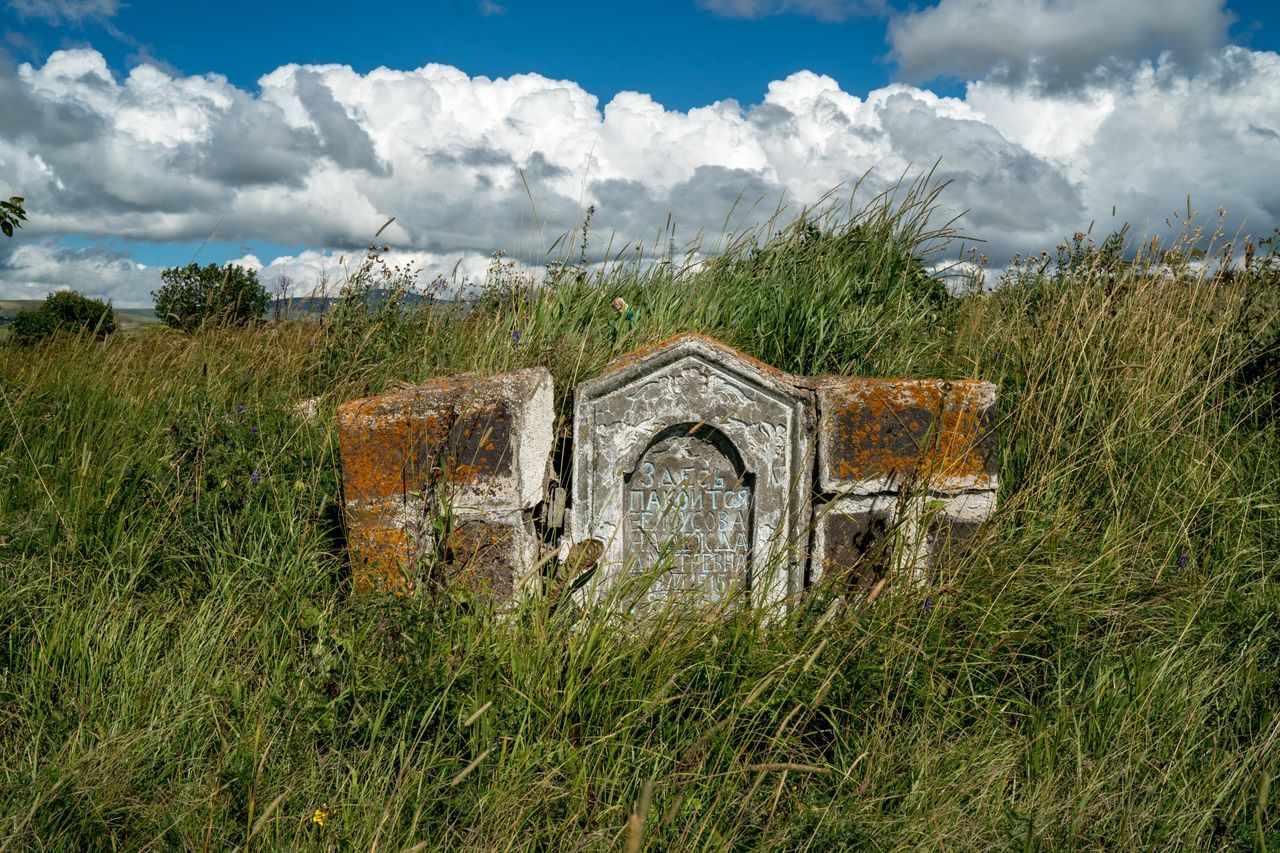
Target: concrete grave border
[(833, 462)]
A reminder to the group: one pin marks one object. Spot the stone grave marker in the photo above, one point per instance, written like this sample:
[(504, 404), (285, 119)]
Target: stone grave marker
[(692, 468)]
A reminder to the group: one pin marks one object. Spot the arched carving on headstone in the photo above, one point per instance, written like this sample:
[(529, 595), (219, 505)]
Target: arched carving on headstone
[(687, 516)]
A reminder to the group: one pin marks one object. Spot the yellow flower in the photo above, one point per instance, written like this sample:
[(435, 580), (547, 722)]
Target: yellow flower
[(319, 816)]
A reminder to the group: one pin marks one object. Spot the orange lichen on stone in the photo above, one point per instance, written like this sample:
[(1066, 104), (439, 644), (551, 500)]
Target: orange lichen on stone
[(384, 552), (447, 447), (403, 443), (387, 441), (933, 431)]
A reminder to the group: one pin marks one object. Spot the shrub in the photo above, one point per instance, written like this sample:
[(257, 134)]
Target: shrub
[(194, 295), (64, 311)]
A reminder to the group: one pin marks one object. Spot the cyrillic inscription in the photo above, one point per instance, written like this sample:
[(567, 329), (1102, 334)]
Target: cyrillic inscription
[(688, 511)]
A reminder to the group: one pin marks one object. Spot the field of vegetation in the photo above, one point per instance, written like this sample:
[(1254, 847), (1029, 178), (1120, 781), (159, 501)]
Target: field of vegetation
[(182, 663)]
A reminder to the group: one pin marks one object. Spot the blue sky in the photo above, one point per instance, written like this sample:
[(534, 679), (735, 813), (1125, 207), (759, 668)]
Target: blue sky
[(261, 132), (679, 52), (683, 53)]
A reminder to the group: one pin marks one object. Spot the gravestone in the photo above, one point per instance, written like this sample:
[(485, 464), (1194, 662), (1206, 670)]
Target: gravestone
[(692, 468)]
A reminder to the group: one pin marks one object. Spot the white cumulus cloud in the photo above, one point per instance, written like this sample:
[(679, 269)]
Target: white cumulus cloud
[(320, 156)]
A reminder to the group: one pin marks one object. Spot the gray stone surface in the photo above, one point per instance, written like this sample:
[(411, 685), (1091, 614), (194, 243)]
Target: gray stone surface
[(692, 465)]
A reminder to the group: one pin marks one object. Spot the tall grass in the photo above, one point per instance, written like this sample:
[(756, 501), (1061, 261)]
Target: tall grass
[(182, 664)]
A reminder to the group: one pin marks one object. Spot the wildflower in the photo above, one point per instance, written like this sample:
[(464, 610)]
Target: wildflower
[(319, 817), (240, 408), (253, 429), (255, 479), (619, 304), (515, 336), (1182, 560), (928, 604)]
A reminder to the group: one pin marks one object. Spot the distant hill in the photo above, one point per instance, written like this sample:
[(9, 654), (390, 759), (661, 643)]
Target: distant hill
[(126, 318), (290, 308)]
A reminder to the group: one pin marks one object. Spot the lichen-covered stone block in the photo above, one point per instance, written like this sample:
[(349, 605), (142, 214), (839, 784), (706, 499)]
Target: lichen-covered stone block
[(485, 439), (386, 541), (476, 448), (878, 435)]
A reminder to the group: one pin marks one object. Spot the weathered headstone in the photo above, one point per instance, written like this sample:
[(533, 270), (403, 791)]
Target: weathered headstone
[(692, 467), (452, 469)]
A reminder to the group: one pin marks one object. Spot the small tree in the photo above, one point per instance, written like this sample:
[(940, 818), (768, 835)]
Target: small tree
[(194, 295), (64, 311)]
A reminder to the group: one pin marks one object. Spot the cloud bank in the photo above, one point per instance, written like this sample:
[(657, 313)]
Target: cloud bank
[(321, 156), (1058, 44)]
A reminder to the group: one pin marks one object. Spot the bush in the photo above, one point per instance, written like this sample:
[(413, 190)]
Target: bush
[(64, 311), (194, 295)]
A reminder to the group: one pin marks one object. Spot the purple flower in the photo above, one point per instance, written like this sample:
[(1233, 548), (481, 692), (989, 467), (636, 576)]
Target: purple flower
[(240, 409), (253, 429), (928, 604), (515, 336), (1182, 560), (255, 479)]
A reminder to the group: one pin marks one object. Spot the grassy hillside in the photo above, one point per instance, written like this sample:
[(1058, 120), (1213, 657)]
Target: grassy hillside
[(182, 664)]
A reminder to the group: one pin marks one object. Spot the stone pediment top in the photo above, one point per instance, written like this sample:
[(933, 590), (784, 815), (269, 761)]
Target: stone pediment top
[(645, 360)]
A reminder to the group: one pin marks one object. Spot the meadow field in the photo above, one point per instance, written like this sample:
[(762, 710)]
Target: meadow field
[(183, 666)]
